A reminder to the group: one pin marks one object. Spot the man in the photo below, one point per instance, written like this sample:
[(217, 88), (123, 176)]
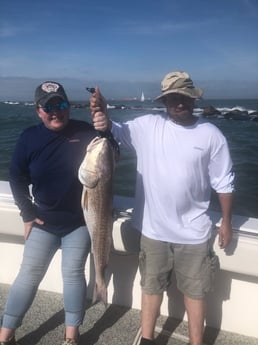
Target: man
[(179, 159)]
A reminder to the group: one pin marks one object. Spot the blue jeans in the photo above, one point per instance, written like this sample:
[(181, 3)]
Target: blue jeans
[(39, 250)]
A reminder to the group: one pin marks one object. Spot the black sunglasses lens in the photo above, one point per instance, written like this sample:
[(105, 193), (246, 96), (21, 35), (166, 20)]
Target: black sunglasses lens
[(49, 108)]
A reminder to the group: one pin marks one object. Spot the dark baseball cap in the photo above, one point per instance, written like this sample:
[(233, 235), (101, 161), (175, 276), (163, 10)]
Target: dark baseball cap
[(47, 90)]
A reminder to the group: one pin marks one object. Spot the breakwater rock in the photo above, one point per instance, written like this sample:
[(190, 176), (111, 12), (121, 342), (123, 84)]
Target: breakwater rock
[(232, 114)]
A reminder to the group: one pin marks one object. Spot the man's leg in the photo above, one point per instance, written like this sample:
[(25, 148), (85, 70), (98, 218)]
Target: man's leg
[(150, 312), (195, 275), (195, 309), (155, 264)]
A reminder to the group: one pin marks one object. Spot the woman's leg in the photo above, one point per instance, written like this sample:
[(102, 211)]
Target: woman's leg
[(75, 249), (39, 249)]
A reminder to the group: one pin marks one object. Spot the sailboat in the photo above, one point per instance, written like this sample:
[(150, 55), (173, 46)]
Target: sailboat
[(142, 97)]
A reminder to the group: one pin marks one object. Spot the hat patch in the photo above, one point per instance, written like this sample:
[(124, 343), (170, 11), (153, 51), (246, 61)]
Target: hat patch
[(50, 87)]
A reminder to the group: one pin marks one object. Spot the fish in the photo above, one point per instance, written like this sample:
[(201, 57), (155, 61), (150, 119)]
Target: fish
[(96, 175)]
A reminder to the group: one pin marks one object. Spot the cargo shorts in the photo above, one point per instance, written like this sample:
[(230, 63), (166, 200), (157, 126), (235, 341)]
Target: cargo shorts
[(194, 266)]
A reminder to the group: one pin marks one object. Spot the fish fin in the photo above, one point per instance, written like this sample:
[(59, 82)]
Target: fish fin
[(100, 294), (85, 200), (91, 179)]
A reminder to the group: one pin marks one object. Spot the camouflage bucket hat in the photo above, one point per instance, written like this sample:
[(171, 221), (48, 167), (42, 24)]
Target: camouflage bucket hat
[(179, 82)]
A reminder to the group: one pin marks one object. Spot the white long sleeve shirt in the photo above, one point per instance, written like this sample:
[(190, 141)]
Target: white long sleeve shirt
[(176, 168)]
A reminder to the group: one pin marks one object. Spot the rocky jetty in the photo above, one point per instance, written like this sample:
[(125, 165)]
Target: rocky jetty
[(210, 111), (234, 114)]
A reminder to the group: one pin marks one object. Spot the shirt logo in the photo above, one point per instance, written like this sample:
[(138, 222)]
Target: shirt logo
[(198, 148)]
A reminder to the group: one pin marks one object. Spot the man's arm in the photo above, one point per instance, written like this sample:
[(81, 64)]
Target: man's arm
[(225, 231)]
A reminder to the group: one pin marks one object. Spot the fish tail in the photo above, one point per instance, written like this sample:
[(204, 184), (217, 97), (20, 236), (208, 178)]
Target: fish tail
[(100, 294)]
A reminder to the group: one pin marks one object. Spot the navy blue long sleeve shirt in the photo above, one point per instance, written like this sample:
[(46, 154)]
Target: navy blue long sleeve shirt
[(49, 162)]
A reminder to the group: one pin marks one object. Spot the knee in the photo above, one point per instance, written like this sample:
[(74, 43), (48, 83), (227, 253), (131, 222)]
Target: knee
[(71, 273), (31, 273)]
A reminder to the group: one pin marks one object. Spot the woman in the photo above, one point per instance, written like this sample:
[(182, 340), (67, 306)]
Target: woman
[(47, 157)]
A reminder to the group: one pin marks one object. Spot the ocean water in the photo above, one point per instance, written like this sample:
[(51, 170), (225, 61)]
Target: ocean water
[(242, 137)]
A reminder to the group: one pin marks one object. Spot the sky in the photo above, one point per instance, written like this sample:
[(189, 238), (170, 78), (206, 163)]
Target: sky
[(126, 47)]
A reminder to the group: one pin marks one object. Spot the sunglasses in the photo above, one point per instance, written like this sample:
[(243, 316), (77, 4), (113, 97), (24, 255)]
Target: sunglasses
[(49, 108)]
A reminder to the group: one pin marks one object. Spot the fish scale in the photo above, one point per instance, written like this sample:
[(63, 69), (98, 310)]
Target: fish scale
[(96, 175)]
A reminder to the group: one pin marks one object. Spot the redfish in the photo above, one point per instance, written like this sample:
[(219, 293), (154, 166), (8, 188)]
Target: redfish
[(96, 174)]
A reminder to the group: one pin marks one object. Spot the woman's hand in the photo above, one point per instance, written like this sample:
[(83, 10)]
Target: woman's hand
[(28, 226)]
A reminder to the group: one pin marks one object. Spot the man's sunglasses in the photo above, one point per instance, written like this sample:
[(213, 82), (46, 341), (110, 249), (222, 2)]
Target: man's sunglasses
[(49, 108)]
